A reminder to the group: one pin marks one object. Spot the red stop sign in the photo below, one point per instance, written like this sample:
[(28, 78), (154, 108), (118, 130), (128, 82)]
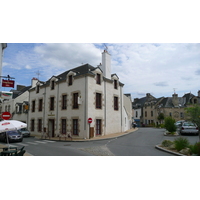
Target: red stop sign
[(89, 120), (6, 115)]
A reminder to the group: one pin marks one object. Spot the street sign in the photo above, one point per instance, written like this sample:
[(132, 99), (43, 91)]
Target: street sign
[(89, 120), (6, 115)]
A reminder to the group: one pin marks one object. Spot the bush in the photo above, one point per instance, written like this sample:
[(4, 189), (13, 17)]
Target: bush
[(167, 143), (170, 124), (195, 149), (181, 143)]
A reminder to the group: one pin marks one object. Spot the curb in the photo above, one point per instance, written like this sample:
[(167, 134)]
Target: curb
[(162, 149), (87, 140)]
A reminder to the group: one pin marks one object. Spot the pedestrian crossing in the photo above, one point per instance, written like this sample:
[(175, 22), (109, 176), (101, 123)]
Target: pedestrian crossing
[(36, 142)]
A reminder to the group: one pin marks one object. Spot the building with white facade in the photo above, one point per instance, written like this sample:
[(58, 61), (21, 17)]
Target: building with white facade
[(62, 105), (18, 104)]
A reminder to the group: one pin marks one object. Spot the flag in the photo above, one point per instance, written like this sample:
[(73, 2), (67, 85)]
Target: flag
[(6, 95)]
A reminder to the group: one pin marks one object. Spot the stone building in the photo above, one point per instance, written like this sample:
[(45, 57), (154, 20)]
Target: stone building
[(62, 105)]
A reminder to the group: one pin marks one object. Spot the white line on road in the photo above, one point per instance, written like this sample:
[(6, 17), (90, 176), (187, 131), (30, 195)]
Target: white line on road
[(41, 142), (32, 143), (48, 141), (22, 144)]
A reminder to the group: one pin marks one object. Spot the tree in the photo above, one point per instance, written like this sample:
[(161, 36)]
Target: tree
[(170, 124), (161, 117), (193, 114)]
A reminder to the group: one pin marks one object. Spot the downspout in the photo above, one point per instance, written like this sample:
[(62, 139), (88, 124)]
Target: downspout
[(85, 114), (44, 110), (105, 107), (57, 107), (121, 105)]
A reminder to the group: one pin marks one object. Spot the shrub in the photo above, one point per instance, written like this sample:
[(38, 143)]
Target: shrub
[(167, 143), (170, 124), (195, 149), (181, 143)]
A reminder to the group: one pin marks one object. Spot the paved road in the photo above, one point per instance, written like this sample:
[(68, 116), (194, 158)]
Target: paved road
[(138, 143)]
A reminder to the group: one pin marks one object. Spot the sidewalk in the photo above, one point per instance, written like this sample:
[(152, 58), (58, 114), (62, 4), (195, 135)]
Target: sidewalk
[(105, 137)]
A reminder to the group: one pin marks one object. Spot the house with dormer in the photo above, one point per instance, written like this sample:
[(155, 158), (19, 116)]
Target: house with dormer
[(62, 105), (18, 104)]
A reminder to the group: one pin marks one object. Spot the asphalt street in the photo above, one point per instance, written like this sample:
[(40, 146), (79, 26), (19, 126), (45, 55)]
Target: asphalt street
[(139, 143)]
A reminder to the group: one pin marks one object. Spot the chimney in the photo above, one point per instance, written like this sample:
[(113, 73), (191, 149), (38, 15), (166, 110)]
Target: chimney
[(175, 99), (20, 87), (34, 81), (106, 64), (199, 93)]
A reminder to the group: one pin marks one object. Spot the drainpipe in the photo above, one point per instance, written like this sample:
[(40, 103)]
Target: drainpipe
[(57, 107), (44, 110)]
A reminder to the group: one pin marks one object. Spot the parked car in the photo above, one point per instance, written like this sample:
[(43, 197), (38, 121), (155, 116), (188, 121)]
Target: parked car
[(25, 132), (188, 128), (179, 123), (13, 136)]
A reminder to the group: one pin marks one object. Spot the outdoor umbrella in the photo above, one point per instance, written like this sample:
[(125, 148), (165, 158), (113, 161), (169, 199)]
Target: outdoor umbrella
[(10, 125)]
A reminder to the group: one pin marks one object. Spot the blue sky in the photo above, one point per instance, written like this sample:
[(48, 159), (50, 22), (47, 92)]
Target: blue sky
[(155, 68)]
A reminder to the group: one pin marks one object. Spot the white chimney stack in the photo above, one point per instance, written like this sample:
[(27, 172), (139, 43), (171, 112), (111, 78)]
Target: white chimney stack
[(106, 64)]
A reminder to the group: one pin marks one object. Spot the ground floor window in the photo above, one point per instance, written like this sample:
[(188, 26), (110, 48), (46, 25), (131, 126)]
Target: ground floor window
[(39, 125), (32, 125), (75, 126), (64, 126), (98, 126)]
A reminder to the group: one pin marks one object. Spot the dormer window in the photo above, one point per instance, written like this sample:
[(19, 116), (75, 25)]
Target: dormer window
[(115, 84), (98, 79), (70, 80), (52, 85), (37, 88)]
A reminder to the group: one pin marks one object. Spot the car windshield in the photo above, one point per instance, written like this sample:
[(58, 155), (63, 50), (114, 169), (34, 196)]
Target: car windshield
[(13, 133), (23, 129), (188, 124)]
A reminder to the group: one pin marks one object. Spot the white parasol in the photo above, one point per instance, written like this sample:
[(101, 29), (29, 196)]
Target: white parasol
[(10, 125)]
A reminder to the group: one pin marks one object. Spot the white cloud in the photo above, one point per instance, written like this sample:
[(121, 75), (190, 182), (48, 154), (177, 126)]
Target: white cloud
[(141, 67), (28, 67)]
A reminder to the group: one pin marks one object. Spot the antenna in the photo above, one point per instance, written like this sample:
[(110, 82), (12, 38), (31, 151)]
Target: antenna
[(174, 90), (38, 74), (106, 48)]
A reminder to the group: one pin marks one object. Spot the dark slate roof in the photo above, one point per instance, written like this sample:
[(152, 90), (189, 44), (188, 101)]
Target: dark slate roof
[(138, 103), (81, 70), (18, 93), (188, 97)]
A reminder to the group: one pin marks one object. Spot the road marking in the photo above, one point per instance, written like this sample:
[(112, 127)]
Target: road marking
[(32, 143), (41, 142), (10, 145), (22, 144), (48, 141)]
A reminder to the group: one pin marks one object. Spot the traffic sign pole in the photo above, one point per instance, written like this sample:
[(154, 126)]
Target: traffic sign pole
[(89, 122)]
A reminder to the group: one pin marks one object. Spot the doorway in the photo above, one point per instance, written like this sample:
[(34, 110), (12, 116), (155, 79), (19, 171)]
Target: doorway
[(51, 127)]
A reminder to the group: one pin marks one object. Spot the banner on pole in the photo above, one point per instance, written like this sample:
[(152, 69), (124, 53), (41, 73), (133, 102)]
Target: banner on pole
[(8, 83)]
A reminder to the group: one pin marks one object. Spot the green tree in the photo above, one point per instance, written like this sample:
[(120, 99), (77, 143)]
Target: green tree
[(193, 114), (170, 124), (161, 117)]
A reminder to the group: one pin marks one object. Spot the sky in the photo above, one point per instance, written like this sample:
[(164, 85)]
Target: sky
[(154, 47), (156, 68)]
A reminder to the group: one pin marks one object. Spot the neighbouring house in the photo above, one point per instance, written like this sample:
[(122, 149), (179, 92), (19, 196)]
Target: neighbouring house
[(62, 105), (138, 106), (170, 106), (18, 105)]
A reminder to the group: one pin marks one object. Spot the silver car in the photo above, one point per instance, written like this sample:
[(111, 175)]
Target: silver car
[(25, 132), (188, 128)]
